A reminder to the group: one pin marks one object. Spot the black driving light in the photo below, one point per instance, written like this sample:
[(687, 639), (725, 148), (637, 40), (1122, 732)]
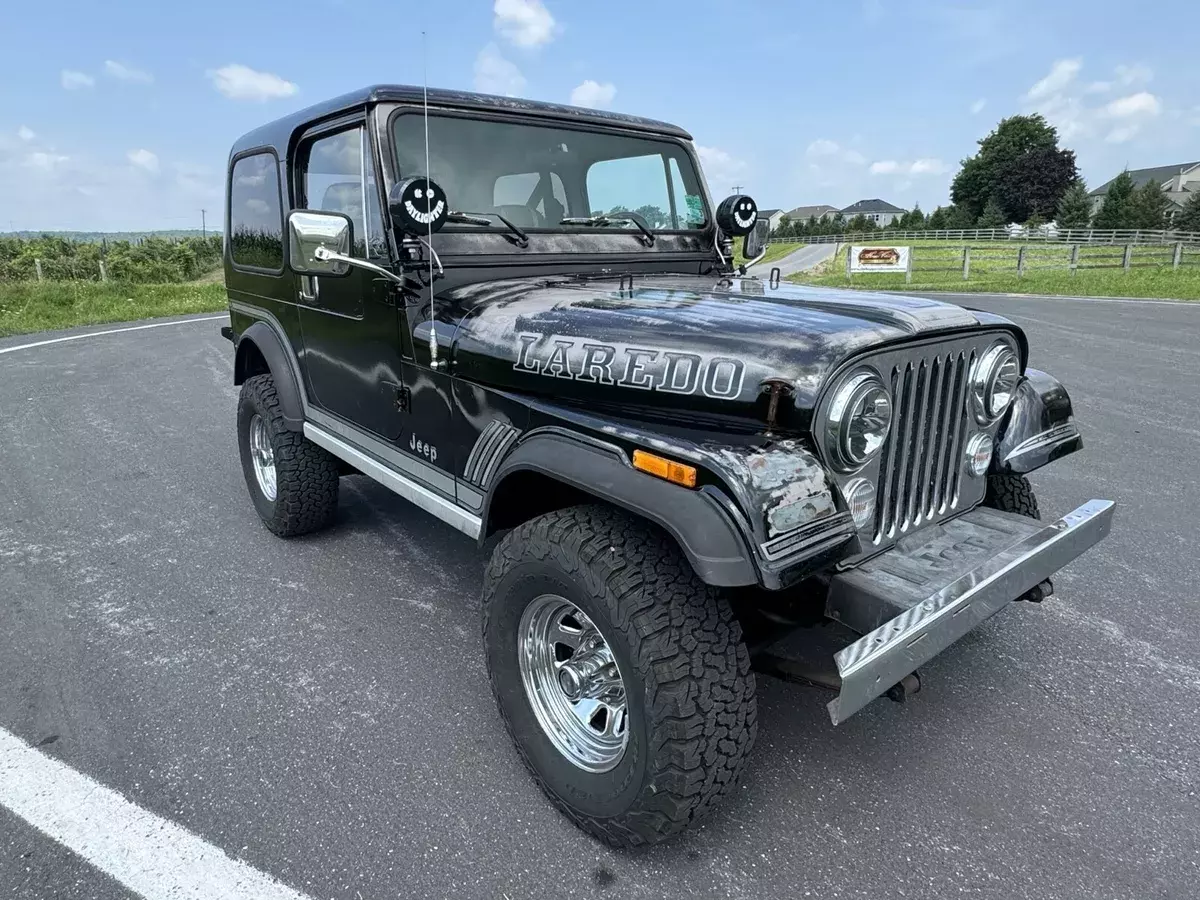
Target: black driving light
[(994, 380), (737, 215), (418, 206), (860, 415)]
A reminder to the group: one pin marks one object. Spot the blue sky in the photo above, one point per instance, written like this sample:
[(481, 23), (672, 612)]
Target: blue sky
[(120, 116)]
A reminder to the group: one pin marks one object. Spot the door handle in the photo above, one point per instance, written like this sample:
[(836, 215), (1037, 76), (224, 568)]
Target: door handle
[(311, 282)]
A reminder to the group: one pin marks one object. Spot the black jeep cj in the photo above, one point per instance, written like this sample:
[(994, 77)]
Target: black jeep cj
[(525, 319)]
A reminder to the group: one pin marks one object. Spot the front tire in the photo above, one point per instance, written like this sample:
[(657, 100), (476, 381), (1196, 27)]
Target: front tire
[(613, 604), (1012, 493), (292, 481)]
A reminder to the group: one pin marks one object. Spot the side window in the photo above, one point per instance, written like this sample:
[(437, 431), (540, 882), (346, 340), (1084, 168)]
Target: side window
[(531, 197), (255, 213), (632, 184), (689, 207), (338, 177)]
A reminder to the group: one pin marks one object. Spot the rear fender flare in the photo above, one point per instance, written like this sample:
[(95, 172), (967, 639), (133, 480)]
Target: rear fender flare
[(262, 338), (699, 521)]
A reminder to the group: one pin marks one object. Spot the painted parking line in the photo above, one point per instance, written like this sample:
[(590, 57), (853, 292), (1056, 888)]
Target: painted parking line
[(146, 853), (92, 334)]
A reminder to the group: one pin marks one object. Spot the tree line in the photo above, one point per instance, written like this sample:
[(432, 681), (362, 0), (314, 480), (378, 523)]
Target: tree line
[(1021, 175), (151, 260)]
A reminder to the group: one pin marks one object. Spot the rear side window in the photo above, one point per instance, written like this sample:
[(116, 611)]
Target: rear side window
[(256, 213)]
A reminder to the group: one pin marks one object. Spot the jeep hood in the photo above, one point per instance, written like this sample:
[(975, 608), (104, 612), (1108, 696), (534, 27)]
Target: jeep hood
[(699, 344)]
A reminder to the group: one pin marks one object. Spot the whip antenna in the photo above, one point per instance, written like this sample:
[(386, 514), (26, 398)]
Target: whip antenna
[(433, 341)]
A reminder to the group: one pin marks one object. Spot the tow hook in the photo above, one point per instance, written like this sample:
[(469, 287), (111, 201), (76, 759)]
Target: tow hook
[(1038, 593), (907, 686)]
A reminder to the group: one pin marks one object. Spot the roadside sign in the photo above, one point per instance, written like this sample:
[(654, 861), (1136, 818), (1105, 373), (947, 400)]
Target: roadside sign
[(878, 259)]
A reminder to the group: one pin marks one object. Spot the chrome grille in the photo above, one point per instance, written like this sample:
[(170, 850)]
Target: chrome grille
[(921, 470)]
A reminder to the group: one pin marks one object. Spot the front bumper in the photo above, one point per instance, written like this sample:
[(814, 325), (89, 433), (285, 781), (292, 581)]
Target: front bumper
[(944, 581)]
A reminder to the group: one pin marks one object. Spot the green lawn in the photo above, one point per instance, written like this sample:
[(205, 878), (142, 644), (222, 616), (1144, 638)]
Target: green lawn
[(774, 252), (27, 306), (937, 265)]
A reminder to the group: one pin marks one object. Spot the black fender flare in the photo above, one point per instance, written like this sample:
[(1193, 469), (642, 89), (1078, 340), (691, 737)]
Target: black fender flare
[(1040, 428), (267, 342), (700, 521)]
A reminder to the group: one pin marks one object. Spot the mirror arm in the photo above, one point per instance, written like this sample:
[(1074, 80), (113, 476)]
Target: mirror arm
[(326, 255), (751, 262)]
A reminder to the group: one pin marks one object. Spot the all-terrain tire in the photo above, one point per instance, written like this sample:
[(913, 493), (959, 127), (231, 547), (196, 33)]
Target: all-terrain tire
[(692, 715), (306, 476), (1011, 493)]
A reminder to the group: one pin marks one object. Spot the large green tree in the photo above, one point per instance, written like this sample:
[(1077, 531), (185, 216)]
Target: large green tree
[(1075, 207), (1021, 164), (993, 214), (1148, 207), (1189, 219), (1116, 210)]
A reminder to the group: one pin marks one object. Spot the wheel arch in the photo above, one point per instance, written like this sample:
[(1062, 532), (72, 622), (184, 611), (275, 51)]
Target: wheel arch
[(554, 469), (261, 352)]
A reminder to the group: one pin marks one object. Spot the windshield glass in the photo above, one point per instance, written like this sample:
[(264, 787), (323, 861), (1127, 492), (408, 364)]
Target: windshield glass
[(537, 175)]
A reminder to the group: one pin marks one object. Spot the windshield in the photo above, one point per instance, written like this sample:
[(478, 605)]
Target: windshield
[(536, 175)]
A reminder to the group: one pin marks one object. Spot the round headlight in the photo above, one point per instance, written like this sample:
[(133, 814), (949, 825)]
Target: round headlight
[(860, 415), (994, 380)]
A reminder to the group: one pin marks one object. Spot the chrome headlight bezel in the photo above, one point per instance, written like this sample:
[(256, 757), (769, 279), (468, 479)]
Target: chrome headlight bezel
[(847, 406), (994, 379)]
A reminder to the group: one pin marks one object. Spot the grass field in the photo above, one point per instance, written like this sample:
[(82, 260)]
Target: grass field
[(937, 265), (774, 252), (27, 306)]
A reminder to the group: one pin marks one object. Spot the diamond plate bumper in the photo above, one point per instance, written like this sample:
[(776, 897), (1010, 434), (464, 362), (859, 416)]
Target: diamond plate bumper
[(1019, 560)]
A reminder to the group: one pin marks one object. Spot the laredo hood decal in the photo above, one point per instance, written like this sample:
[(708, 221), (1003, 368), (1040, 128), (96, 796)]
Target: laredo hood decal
[(713, 340)]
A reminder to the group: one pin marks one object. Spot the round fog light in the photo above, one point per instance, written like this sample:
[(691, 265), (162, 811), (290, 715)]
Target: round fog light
[(860, 497), (979, 454)]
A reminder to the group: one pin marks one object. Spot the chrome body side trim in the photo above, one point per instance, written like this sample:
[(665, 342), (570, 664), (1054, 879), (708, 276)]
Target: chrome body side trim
[(446, 510), (1060, 434), (880, 659)]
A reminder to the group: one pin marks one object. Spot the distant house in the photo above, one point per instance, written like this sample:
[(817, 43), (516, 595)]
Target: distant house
[(818, 212), (773, 216), (878, 211), (1179, 182)]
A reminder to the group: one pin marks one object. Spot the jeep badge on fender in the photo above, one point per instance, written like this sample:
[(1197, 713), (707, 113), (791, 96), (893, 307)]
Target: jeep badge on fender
[(659, 444)]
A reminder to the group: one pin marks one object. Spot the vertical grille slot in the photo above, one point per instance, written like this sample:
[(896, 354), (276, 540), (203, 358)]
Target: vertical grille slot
[(921, 463)]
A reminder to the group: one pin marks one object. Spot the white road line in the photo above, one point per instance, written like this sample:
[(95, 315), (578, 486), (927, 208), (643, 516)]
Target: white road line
[(149, 855), (92, 334)]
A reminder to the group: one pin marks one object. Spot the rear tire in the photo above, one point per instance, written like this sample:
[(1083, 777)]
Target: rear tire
[(684, 671), (292, 481), (1012, 493)]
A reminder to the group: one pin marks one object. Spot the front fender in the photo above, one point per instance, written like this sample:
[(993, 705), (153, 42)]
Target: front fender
[(1041, 426), (261, 337)]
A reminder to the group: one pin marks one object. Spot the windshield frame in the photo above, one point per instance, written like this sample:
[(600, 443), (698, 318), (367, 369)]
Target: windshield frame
[(391, 113)]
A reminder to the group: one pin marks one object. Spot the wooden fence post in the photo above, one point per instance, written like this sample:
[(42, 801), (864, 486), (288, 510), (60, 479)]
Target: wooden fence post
[(37, 264), (849, 249), (908, 267), (1178, 255), (103, 272), (1074, 258), (1125, 263), (1021, 261), (966, 263)]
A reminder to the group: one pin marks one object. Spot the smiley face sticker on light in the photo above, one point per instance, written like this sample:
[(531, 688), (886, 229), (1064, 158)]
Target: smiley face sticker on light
[(418, 206), (737, 215)]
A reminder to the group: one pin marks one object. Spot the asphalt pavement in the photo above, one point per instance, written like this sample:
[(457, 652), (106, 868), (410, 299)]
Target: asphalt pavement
[(797, 261), (318, 708)]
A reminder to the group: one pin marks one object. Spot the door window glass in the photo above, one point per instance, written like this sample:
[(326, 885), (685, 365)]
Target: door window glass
[(255, 213), (339, 177)]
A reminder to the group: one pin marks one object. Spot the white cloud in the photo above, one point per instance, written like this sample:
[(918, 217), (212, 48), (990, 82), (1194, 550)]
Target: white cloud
[(73, 80), (1121, 134), (496, 75), (45, 161), (1142, 103), (1136, 74), (26, 133), (1099, 87), (238, 82), (122, 72), (977, 106), (823, 147), (594, 95), (1062, 73), (526, 23), (827, 150), (928, 166), (925, 166), (721, 168), (143, 159), (885, 167)]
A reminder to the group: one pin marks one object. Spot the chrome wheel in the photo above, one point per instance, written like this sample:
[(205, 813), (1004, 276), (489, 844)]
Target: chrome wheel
[(573, 683), (262, 456)]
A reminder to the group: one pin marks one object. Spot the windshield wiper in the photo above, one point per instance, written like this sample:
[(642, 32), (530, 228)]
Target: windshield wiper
[(601, 221), (466, 218)]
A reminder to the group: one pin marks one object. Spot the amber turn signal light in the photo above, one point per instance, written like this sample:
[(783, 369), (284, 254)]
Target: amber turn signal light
[(667, 469)]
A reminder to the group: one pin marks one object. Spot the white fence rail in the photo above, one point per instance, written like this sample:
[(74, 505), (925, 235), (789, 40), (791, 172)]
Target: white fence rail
[(1059, 236)]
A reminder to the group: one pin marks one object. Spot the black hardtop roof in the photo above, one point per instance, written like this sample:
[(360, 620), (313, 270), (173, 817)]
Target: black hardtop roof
[(277, 134)]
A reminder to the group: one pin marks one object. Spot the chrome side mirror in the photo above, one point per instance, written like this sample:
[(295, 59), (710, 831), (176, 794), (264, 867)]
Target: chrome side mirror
[(310, 232)]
